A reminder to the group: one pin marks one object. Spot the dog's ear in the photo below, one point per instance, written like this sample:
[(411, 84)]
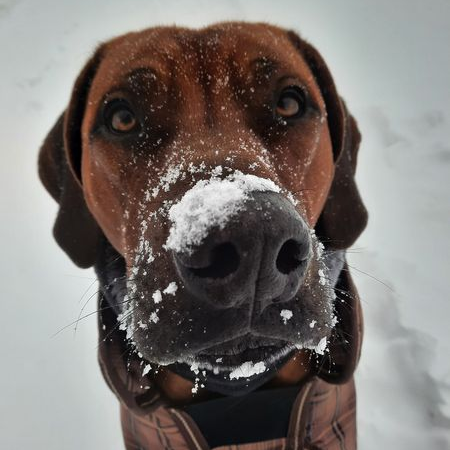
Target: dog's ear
[(75, 230), (344, 216)]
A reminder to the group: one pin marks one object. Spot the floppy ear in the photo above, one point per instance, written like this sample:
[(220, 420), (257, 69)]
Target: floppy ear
[(75, 230), (344, 216)]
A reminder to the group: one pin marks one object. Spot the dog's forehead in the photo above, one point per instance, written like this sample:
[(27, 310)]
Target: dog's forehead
[(248, 49)]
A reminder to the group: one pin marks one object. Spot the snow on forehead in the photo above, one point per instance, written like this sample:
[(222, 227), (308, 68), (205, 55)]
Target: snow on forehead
[(210, 203)]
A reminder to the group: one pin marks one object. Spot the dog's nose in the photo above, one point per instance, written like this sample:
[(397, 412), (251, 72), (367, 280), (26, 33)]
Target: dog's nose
[(260, 255)]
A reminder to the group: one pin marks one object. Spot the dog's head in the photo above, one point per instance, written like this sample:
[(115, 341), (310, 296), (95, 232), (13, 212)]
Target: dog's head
[(213, 163)]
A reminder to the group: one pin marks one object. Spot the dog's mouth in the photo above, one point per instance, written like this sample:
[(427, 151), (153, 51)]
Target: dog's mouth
[(230, 355), (236, 367)]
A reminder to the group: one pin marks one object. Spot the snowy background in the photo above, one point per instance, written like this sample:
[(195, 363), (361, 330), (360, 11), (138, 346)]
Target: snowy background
[(391, 63)]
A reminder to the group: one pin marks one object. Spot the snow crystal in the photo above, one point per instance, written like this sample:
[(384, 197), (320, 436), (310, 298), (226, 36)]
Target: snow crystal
[(157, 297), (194, 390), (210, 203), (171, 288), (154, 317), (286, 314), (321, 346), (142, 325), (146, 369), (312, 324), (217, 171), (170, 177), (247, 370), (322, 277), (194, 368)]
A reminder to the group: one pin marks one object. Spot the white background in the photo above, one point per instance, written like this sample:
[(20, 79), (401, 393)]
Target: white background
[(391, 63)]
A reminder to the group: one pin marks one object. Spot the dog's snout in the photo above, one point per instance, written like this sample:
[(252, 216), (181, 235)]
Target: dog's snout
[(260, 256)]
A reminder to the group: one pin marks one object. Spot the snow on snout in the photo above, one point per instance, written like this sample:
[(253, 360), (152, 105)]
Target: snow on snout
[(210, 203)]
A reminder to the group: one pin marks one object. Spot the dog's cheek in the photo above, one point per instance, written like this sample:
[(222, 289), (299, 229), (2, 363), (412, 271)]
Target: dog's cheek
[(319, 294), (317, 317), (304, 163), (103, 188), (163, 334), (318, 181), (153, 290)]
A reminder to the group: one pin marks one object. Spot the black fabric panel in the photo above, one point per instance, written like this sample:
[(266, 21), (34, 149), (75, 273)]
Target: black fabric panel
[(258, 416)]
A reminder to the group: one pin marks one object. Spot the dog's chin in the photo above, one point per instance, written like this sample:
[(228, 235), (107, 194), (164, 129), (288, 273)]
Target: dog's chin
[(231, 369)]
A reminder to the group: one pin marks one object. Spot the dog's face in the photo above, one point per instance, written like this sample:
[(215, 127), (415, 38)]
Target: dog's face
[(206, 160)]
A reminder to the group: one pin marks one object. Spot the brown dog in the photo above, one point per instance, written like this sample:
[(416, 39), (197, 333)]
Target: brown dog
[(202, 172)]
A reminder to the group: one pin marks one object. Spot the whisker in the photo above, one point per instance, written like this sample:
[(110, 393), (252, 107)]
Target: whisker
[(90, 314), (370, 276), (87, 290), (82, 310), (81, 318), (117, 325)]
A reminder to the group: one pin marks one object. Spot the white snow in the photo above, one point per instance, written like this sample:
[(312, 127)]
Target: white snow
[(247, 370), (142, 325), (194, 368), (321, 346), (146, 369), (154, 317), (171, 289), (194, 389), (394, 80), (322, 277), (210, 203), (156, 296), (286, 314), (170, 177)]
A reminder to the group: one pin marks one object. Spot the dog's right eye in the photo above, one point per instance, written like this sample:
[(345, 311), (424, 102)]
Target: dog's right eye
[(291, 103), (119, 117)]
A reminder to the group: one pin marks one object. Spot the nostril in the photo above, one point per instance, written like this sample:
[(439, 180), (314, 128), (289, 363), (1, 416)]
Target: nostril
[(224, 261), (291, 256)]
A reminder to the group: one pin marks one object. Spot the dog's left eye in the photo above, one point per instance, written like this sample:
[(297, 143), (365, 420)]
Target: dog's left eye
[(291, 103), (119, 117)]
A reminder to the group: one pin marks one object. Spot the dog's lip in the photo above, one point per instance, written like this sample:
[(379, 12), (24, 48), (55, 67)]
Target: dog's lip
[(230, 355), (218, 378), (266, 355), (240, 344)]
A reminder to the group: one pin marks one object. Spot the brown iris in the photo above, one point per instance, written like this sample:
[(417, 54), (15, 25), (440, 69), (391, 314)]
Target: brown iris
[(123, 121), (119, 117), (291, 103)]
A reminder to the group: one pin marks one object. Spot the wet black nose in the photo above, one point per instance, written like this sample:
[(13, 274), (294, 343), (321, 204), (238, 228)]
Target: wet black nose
[(261, 256)]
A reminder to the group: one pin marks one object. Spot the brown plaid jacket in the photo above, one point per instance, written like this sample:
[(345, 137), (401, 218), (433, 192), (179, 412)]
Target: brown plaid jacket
[(323, 416)]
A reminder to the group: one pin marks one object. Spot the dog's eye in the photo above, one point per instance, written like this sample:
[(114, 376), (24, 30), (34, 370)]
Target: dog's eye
[(291, 103), (119, 117)]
